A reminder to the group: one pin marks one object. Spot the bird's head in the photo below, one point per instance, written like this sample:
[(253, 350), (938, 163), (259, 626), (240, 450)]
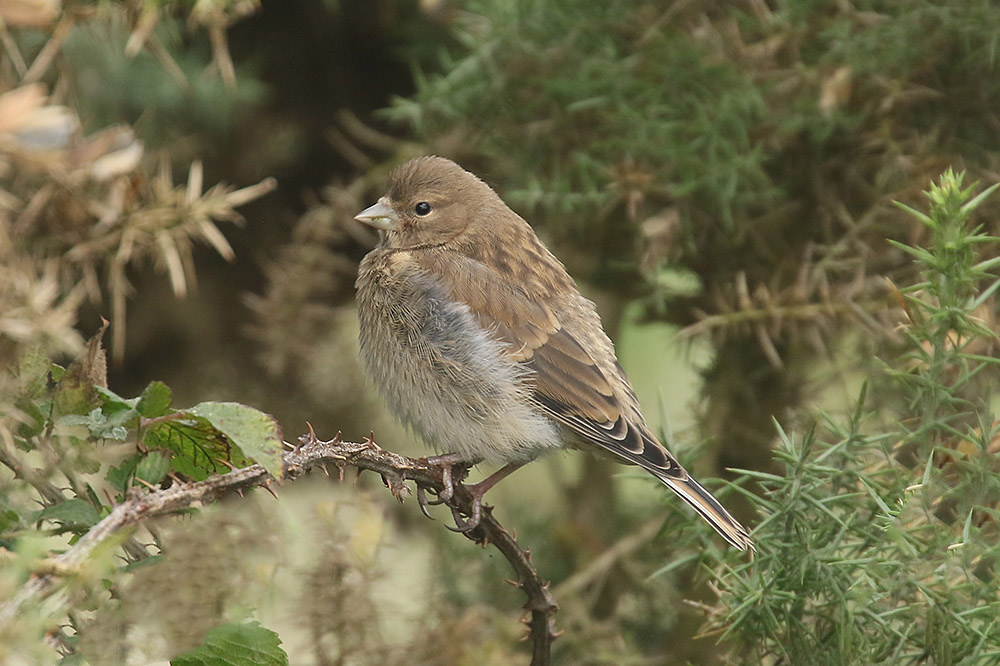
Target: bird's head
[(430, 201)]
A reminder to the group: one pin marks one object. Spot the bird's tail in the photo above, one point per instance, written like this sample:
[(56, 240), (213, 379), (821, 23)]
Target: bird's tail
[(710, 509)]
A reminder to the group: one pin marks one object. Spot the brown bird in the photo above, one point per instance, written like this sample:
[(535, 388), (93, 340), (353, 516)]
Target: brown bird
[(479, 339)]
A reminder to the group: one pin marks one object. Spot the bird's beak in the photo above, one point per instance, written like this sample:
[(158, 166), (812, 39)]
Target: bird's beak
[(380, 216)]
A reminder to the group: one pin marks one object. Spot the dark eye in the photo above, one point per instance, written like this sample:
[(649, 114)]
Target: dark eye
[(422, 208)]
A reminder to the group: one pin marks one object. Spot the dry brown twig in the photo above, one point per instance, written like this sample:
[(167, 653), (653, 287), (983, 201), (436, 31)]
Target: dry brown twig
[(141, 505)]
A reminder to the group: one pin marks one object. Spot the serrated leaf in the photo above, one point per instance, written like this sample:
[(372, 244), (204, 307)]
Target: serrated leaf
[(197, 446), (256, 434), (73, 399), (8, 518), (33, 372), (112, 402), (153, 467), (245, 644), (138, 564), (103, 425), (36, 420), (119, 476), (155, 400), (56, 373), (73, 513), (75, 393)]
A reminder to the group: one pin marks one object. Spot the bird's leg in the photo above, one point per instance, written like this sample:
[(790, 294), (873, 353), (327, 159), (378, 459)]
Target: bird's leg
[(477, 490)]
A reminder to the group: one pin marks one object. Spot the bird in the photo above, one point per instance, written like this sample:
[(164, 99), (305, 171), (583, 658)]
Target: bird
[(478, 339)]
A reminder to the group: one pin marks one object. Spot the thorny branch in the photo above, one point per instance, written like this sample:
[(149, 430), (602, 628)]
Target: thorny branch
[(396, 470)]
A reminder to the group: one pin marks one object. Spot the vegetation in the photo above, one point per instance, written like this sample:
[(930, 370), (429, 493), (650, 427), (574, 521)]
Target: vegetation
[(747, 177)]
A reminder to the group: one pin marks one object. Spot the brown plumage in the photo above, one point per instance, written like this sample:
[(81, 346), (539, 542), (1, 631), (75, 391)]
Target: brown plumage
[(479, 339)]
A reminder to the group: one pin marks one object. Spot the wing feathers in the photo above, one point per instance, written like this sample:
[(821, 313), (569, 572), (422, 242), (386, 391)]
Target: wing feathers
[(570, 383), (710, 509)]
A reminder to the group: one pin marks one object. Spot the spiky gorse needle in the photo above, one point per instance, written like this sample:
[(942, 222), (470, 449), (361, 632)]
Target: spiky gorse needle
[(77, 208), (879, 535)]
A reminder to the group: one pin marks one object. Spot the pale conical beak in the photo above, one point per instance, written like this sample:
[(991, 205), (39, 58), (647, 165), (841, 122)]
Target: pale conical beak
[(379, 216)]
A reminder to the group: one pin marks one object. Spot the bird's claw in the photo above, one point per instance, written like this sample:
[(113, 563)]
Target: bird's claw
[(464, 522), (423, 501), (466, 525)]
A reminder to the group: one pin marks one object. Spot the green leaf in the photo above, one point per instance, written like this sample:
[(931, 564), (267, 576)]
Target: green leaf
[(103, 425), (119, 476), (33, 372), (8, 519), (114, 402), (56, 372), (256, 434), (155, 400), (246, 644), (196, 445), (36, 423), (138, 564), (72, 514), (153, 467)]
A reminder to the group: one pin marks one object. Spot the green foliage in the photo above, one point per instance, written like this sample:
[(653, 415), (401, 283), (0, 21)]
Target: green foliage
[(255, 433), (244, 644), (100, 446), (165, 104), (73, 514), (878, 538), (586, 94)]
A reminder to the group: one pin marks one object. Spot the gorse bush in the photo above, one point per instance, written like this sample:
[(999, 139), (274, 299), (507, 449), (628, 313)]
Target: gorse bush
[(878, 534)]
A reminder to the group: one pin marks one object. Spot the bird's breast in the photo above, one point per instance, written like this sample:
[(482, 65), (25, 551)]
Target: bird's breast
[(439, 370)]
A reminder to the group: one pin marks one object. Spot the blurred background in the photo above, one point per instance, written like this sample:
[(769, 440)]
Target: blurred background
[(718, 177)]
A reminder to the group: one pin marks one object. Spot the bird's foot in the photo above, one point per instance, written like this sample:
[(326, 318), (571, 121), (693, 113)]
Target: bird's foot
[(454, 468), (467, 519), (467, 511)]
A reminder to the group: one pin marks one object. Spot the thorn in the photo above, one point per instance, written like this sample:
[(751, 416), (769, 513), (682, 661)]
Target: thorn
[(111, 500), (147, 484), (325, 470), (340, 473), (231, 466), (312, 433), (527, 554), (239, 491), (336, 438), (268, 488), (513, 583)]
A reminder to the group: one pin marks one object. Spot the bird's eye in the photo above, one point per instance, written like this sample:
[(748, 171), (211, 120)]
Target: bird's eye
[(422, 208)]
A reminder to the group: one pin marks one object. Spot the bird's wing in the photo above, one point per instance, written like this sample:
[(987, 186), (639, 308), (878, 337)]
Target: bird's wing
[(569, 382)]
